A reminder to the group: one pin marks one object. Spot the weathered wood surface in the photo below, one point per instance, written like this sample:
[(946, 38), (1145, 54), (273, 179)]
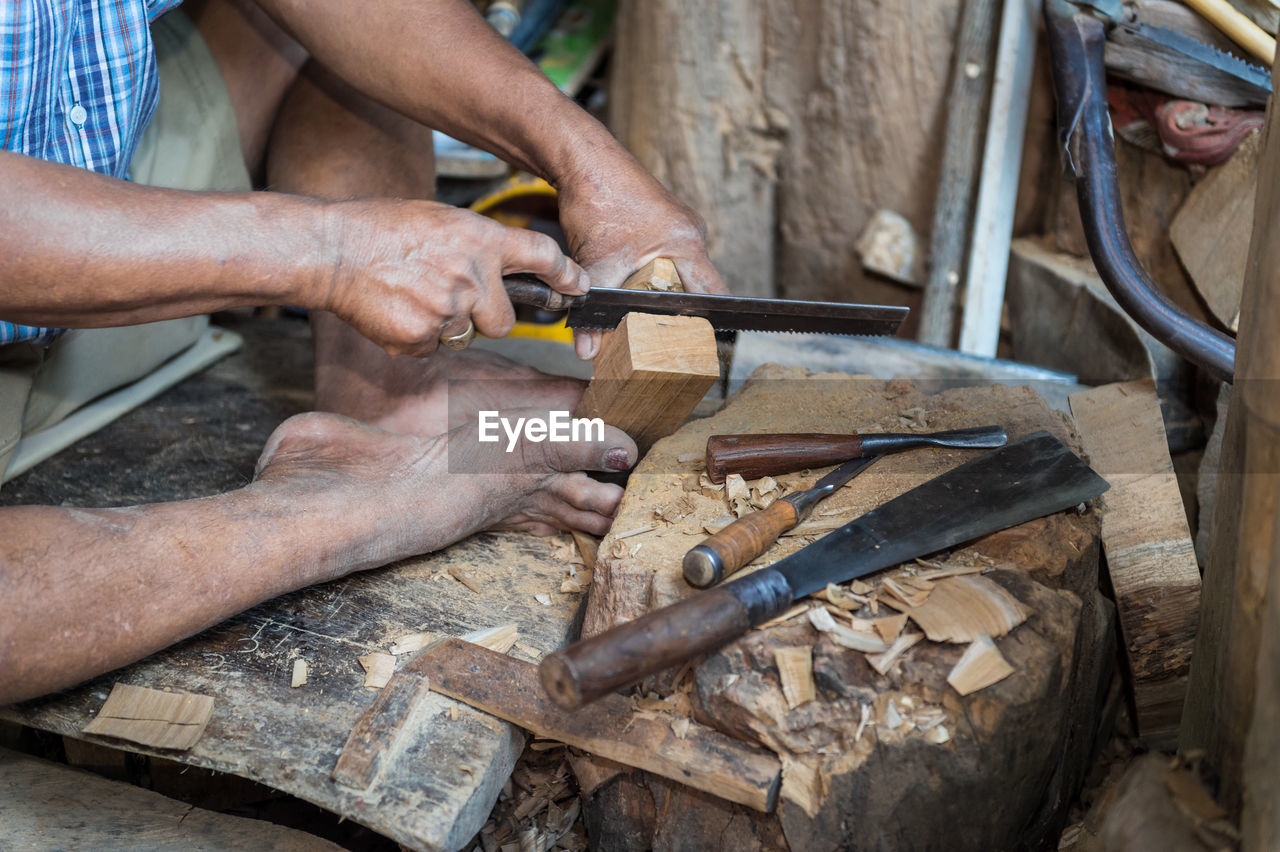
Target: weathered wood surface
[(1233, 704), (45, 805), (436, 788), (1014, 753), (787, 125), (613, 727), (1150, 556), (1212, 229)]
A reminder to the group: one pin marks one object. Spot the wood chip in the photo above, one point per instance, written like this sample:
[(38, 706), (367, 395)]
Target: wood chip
[(890, 627), (588, 548), (378, 669), (884, 661), (411, 642), (861, 587), (173, 720), (528, 650), (844, 636), (686, 458), (960, 609), (908, 595), (299, 673), (680, 726), (795, 670), (1191, 796), (842, 599), (796, 610), (735, 488), (543, 599), (938, 735), (465, 578), (637, 531), (499, 639), (863, 721), (979, 666)]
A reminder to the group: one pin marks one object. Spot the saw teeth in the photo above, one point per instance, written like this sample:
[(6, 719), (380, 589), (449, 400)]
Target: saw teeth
[(1191, 42)]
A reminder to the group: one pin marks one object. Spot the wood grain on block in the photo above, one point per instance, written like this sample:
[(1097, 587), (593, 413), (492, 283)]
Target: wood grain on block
[(151, 717), (960, 609), (651, 374), (979, 666), (1212, 229), (1148, 545), (795, 671), (611, 728), (658, 274)]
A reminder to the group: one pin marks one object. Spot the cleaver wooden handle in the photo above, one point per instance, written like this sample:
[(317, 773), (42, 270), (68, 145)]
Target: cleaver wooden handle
[(623, 655), (754, 456)]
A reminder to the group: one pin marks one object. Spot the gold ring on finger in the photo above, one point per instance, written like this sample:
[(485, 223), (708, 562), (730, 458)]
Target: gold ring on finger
[(460, 341)]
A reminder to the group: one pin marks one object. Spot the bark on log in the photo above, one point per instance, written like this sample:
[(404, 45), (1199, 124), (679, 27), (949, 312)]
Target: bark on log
[(1012, 755)]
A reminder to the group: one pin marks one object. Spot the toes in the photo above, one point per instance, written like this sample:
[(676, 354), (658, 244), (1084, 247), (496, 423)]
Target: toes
[(615, 452), (583, 492)]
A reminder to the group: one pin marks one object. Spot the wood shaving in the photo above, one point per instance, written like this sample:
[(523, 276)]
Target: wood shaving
[(465, 578), (735, 488), (378, 669), (960, 609), (889, 627), (859, 587), (619, 550), (499, 639), (914, 417), (637, 531), (883, 662), (865, 720), (680, 726), (843, 636), (411, 642), (705, 483), (173, 720), (795, 611), (979, 666), (842, 599), (795, 672), (543, 599), (686, 458), (938, 735), (299, 673), (928, 718), (893, 720), (741, 506), (908, 595)]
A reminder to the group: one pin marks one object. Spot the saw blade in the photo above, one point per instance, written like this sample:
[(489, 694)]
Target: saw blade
[(1196, 50), (604, 308)]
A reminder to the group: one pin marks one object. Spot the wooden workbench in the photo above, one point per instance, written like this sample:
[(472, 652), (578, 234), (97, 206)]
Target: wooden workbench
[(438, 786)]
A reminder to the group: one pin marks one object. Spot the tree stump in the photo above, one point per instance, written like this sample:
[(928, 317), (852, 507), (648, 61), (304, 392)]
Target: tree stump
[(898, 760)]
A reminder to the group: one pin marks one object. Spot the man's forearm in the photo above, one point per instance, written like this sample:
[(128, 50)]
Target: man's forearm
[(89, 590), (82, 250), (439, 62)]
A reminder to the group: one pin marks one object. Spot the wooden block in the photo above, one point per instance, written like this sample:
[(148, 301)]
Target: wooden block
[(651, 374), (1148, 545), (1212, 229), (374, 736), (148, 716), (658, 274), (610, 728)]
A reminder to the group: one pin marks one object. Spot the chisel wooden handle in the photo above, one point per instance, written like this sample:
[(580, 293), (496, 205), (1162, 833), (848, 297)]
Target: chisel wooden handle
[(733, 547), (754, 456), (587, 670)]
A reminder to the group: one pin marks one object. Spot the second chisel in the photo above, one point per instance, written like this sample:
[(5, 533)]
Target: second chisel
[(733, 547)]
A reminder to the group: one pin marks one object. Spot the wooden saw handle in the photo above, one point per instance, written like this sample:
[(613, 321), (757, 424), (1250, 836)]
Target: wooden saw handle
[(754, 456), (733, 547), (592, 668)]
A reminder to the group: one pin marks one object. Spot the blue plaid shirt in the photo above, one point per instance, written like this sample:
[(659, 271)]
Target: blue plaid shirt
[(77, 86)]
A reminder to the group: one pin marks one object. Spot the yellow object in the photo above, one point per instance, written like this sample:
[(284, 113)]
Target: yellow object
[(1238, 28), (557, 331)]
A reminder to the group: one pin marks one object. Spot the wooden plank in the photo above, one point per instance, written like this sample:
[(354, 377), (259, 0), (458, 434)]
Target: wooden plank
[(375, 734), (998, 185), (1150, 555), (1212, 229), (610, 728), (49, 806), (966, 107), (152, 717), (650, 374), (445, 773)]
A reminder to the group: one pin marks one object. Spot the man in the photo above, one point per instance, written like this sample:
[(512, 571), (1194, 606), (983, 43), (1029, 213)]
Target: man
[(330, 101)]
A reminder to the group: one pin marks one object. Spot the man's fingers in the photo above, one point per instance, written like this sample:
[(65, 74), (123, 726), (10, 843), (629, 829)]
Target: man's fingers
[(493, 314), (538, 254)]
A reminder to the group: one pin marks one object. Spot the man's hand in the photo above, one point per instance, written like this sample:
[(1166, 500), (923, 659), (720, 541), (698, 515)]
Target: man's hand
[(406, 273), (618, 217)]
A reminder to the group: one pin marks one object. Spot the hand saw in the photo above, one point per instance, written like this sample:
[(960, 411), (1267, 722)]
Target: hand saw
[(604, 307)]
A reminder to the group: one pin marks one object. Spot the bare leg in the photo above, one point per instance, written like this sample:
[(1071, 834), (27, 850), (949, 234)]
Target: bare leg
[(87, 590)]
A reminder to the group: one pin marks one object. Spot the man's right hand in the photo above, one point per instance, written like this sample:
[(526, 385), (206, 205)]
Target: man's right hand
[(406, 273)]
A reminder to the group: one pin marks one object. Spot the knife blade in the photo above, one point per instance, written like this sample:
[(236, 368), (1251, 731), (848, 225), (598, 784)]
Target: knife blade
[(733, 547), (1027, 479), (753, 456), (604, 307)]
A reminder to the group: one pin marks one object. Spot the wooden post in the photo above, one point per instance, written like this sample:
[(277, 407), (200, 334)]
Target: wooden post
[(1232, 707)]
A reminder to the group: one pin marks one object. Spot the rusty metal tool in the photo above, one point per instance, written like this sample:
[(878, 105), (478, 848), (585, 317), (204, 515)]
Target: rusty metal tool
[(733, 547), (1027, 479), (754, 456), (604, 308)]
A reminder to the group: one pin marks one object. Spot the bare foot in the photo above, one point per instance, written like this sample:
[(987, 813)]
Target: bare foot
[(409, 494), (430, 396)]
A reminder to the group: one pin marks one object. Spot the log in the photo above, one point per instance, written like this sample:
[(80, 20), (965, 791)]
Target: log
[(1150, 555), (849, 777)]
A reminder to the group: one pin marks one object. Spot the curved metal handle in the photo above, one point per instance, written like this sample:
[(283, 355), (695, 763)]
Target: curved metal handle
[(1076, 40)]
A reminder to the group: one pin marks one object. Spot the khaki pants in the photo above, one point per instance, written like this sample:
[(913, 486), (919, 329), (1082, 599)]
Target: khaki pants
[(192, 143)]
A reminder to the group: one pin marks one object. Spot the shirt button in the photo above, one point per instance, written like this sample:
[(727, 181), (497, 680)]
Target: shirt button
[(78, 115)]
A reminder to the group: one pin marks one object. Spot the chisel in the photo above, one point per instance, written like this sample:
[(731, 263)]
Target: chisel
[(754, 456), (736, 545), (1027, 479)]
